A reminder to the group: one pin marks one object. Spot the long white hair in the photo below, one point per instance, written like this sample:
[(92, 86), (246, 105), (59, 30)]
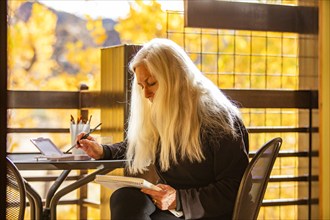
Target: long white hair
[(185, 102)]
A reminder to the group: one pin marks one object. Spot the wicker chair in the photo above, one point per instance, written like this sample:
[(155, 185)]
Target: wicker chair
[(16, 196), (18, 189)]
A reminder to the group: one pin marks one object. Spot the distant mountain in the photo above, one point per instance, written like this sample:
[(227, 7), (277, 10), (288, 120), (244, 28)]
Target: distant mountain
[(71, 28)]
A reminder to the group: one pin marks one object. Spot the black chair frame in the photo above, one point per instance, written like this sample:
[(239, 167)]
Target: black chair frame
[(241, 208)]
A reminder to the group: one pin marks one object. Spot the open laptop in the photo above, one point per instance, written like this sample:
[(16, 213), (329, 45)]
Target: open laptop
[(51, 152)]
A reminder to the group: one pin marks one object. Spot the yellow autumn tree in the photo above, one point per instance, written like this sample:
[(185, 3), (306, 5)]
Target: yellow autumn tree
[(97, 31), (31, 65), (145, 20), (87, 59), (30, 49)]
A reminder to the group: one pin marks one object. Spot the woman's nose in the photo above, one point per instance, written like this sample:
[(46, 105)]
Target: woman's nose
[(147, 93)]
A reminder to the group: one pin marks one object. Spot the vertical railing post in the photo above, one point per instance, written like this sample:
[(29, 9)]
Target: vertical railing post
[(83, 112), (82, 192), (310, 157)]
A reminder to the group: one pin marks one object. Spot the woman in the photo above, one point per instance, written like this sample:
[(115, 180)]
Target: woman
[(181, 123)]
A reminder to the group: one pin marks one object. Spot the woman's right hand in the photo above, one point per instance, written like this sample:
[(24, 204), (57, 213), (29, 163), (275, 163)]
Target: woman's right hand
[(90, 146)]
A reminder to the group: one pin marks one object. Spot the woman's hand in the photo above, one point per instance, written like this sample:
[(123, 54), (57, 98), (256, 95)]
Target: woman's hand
[(90, 146), (164, 199)]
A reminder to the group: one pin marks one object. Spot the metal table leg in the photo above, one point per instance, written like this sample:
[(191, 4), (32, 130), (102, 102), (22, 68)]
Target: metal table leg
[(51, 192), (74, 186)]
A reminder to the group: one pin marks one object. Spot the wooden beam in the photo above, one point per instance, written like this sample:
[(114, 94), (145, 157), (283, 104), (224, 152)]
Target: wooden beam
[(301, 99), (250, 16), (43, 99)]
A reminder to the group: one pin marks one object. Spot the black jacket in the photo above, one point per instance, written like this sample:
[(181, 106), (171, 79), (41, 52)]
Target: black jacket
[(205, 190)]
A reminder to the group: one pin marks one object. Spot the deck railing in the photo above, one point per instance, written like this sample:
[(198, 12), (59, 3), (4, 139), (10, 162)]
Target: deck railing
[(84, 100)]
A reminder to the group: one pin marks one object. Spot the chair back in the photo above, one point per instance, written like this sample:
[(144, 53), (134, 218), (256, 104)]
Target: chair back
[(15, 189), (254, 181)]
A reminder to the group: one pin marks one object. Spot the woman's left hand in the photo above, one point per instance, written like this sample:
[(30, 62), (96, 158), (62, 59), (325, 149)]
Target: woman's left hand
[(164, 199)]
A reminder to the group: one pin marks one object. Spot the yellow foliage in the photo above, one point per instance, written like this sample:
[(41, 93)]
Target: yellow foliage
[(145, 20), (96, 30), (87, 61), (30, 47)]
